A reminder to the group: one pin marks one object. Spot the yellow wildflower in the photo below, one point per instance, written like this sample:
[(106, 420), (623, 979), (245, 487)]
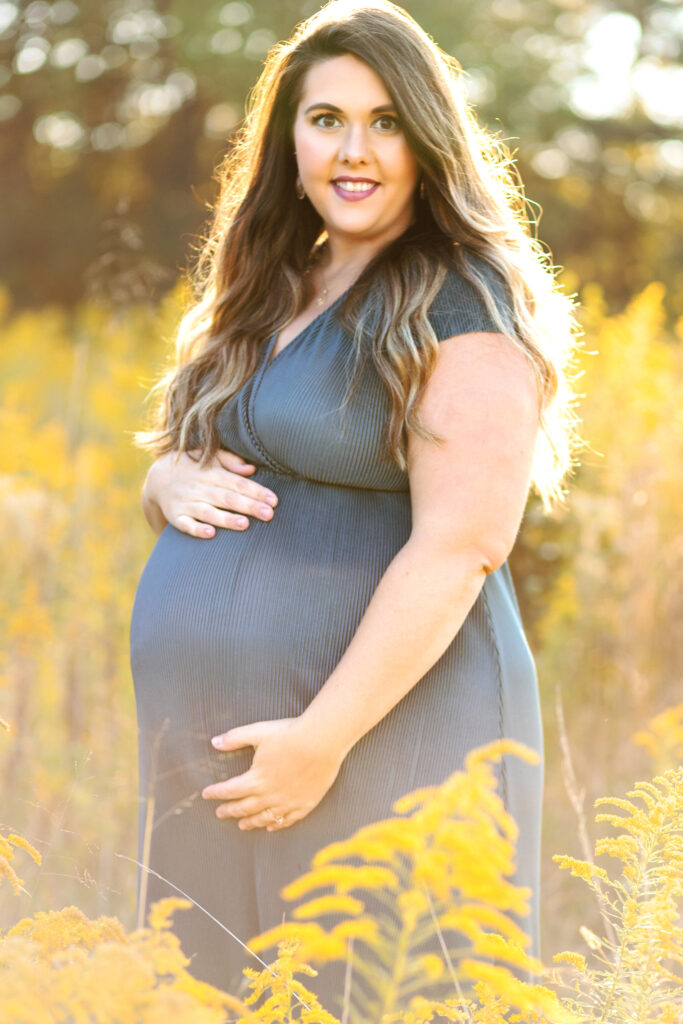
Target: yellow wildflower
[(498, 748), (25, 845), (344, 878), (161, 913), (334, 904), (573, 959), (432, 965), (593, 941), (581, 868)]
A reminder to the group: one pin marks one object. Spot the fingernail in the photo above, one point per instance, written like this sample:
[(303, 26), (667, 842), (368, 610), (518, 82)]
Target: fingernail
[(208, 531), (271, 499), (217, 741), (241, 521), (265, 510)]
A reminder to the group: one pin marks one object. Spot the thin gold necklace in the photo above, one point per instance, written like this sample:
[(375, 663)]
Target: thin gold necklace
[(320, 301)]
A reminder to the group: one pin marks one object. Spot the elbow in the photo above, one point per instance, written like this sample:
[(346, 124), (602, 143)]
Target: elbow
[(492, 556), (481, 556), (486, 557)]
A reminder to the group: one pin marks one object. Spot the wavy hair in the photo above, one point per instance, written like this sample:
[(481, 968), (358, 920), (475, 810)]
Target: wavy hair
[(250, 276)]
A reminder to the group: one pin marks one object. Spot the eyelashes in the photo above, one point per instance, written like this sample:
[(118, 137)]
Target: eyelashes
[(317, 120)]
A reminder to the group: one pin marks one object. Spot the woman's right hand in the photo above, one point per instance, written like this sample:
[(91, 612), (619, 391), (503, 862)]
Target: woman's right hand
[(197, 499)]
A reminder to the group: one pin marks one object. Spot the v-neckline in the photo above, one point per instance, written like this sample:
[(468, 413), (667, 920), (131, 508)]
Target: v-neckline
[(273, 341)]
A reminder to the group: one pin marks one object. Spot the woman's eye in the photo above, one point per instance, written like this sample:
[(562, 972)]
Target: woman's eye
[(320, 118), (392, 122)]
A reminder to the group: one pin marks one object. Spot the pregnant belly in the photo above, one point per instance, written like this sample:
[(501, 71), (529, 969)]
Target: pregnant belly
[(248, 626)]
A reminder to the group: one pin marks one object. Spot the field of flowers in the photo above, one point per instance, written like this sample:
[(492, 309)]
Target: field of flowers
[(600, 585)]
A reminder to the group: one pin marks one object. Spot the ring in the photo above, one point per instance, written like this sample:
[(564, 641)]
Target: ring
[(274, 816)]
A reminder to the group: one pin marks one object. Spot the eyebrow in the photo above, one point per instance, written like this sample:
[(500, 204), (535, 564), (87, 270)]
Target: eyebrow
[(330, 106)]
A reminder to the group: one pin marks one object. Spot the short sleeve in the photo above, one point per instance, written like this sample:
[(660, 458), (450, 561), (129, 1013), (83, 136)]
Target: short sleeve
[(459, 309)]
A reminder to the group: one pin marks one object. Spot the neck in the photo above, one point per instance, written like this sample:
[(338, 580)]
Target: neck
[(346, 256)]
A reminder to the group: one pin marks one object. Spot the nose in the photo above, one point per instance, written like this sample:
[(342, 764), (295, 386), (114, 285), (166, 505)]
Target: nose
[(354, 147)]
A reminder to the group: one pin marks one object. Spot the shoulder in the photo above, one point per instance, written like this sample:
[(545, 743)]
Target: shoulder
[(460, 308)]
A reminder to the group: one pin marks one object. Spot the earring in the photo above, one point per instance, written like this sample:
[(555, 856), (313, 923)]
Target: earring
[(301, 194), (422, 188)]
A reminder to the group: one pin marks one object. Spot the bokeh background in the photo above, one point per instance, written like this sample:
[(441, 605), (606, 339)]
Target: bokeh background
[(113, 116)]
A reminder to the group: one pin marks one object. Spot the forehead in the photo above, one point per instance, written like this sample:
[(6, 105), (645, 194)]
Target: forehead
[(344, 81)]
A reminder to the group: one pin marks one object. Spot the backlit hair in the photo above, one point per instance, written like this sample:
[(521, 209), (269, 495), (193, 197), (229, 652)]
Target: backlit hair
[(250, 280)]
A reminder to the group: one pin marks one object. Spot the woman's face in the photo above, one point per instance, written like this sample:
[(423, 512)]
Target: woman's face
[(352, 155)]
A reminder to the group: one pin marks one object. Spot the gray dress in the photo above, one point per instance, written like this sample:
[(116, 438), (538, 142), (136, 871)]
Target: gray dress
[(248, 626)]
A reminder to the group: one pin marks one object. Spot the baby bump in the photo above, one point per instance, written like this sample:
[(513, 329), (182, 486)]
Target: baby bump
[(248, 626)]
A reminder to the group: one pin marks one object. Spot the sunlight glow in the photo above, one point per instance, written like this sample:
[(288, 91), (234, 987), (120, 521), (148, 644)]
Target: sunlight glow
[(68, 52), (659, 88), (611, 50), (60, 130), (8, 14), (31, 56)]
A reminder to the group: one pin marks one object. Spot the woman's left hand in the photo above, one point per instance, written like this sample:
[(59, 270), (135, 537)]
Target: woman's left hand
[(289, 774)]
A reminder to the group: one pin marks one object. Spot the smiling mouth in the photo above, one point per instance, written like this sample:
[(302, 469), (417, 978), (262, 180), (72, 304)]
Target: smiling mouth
[(355, 186)]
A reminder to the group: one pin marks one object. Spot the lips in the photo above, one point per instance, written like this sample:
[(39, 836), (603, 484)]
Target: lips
[(354, 188)]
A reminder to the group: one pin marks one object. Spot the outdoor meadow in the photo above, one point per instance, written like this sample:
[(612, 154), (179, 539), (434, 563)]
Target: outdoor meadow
[(90, 297)]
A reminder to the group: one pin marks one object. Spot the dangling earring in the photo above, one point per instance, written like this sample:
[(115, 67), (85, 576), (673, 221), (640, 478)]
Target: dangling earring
[(422, 188), (301, 194)]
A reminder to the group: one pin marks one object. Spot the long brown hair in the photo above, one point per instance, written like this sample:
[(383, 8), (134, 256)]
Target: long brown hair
[(250, 278)]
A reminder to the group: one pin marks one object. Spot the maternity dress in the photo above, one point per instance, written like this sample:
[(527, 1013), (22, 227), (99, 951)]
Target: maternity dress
[(247, 626)]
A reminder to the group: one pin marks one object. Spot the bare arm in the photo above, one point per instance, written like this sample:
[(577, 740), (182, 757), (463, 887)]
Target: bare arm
[(468, 497)]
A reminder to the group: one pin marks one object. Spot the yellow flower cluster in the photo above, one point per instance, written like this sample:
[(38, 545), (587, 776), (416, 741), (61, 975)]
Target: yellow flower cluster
[(663, 737), (7, 845), (60, 967), (447, 923), (636, 973)]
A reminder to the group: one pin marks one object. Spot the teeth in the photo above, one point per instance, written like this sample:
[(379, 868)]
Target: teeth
[(355, 186)]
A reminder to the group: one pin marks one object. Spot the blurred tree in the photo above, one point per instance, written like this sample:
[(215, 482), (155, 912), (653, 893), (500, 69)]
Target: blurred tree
[(135, 102)]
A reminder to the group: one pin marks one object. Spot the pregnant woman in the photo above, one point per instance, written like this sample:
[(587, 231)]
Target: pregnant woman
[(368, 384)]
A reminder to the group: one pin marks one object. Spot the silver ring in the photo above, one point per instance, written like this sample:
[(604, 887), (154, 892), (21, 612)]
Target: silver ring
[(275, 817)]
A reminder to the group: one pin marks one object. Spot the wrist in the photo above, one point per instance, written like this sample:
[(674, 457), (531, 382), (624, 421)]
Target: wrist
[(327, 734), (150, 503)]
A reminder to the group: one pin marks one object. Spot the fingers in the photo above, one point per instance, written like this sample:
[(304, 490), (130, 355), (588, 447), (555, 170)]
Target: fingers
[(234, 462), (227, 510), (252, 806), (258, 504), (206, 511), (239, 787), (248, 808), (252, 814), (205, 530), (201, 499), (272, 822)]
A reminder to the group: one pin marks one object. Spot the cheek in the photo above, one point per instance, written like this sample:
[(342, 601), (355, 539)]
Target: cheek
[(404, 167), (311, 151)]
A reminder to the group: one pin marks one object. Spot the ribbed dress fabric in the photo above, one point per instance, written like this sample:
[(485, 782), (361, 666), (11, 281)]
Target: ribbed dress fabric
[(248, 626)]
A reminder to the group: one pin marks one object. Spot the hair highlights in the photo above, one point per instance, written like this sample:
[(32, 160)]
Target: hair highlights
[(249, 278)]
